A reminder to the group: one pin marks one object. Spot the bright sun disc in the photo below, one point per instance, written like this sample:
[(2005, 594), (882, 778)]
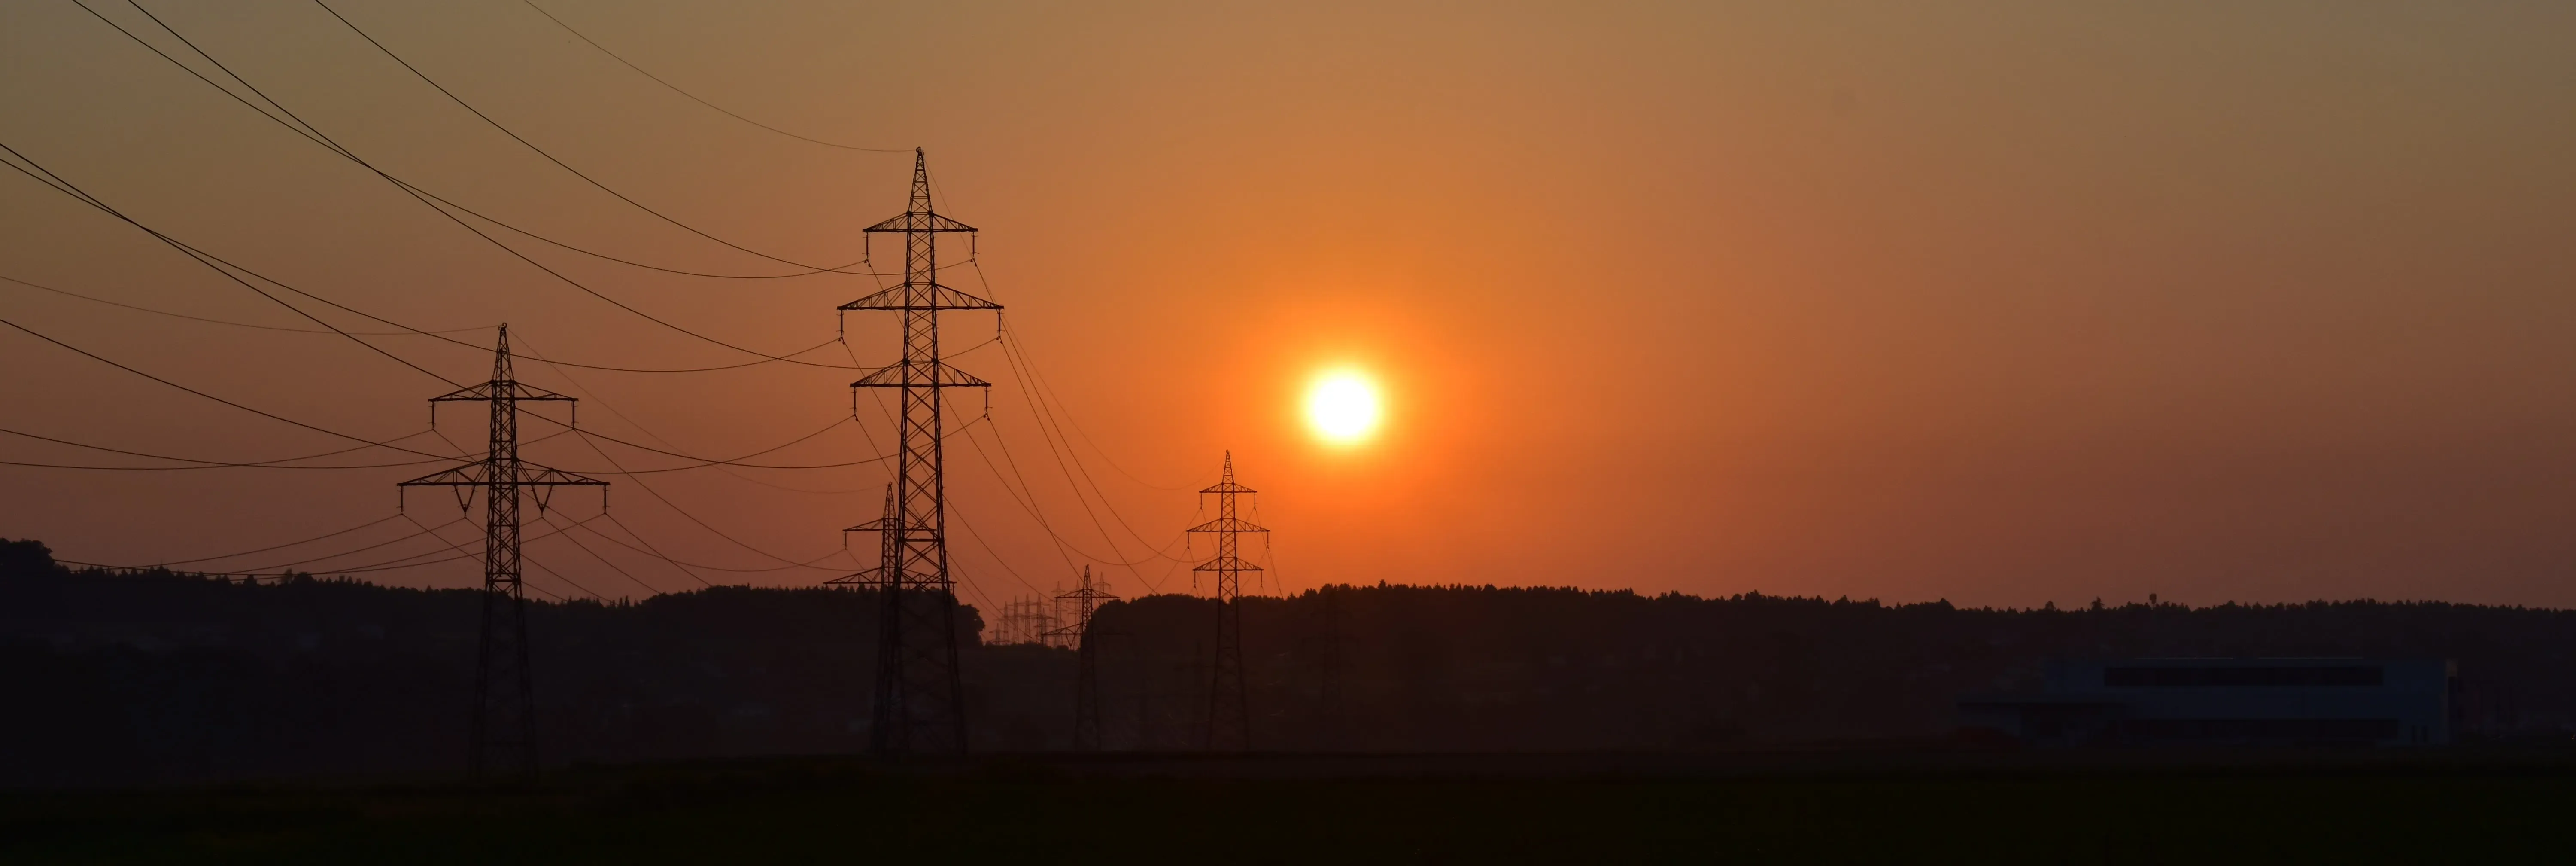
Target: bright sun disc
[(1343, 407)]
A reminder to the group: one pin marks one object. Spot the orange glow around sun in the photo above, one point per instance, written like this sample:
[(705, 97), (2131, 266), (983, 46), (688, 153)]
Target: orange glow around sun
[(1343, 407)]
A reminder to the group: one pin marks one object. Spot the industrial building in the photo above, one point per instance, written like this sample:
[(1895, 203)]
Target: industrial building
[(2227, 701)]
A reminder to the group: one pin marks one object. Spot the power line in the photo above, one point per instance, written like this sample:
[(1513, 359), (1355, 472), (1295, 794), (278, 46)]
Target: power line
[(427, 199), (314, 134), (549, 594), (333, 534), (1046, 391), (647, 431), (996, 555), (675, 507), (567, 581), (1064, 548), (1025, 497), (1045, 421), (430, 531), (1034, 394), (387, 443), (532, 147), (694, 97), (687, 565), (576, 542), (395, 564), (684, 565), (462, 552), (59, 184), (649, 548), (201, 464), (225, 268), (1030, 505), (764, 359), (657, 553), (1033, 385), (703, 462), (70, 294)]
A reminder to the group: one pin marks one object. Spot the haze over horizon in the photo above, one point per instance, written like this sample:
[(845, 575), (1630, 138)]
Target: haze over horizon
[(2002, 303)]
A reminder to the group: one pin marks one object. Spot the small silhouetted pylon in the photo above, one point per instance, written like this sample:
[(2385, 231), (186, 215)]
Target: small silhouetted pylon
[(1078, 627), (920, 699), (505, 714), (1025, 620), (1229, 719)]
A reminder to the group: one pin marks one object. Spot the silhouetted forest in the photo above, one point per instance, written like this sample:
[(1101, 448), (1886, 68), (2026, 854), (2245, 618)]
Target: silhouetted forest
[(120, 677)]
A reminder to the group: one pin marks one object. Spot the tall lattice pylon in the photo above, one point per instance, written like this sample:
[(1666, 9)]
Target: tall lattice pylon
[(1229, 719), (505, 719), (1075, 609), (920, 705)]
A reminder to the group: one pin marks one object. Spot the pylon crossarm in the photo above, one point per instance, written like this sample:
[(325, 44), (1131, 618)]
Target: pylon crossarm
[(925, 374), (480, 475), (1227, 524), (868, 577), (468, 475), (920, 221), (541, 476), (875, 575), (485, 391), (1227, 563), (902, 298)]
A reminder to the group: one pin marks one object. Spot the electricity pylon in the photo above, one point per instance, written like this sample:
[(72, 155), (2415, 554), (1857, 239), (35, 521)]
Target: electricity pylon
[(1084, 600), (505, 701), (920, 702), (1024, 620), (1229, 720)]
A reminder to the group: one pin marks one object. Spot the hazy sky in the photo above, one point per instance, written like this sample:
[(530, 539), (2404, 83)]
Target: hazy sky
[(2003, 303)]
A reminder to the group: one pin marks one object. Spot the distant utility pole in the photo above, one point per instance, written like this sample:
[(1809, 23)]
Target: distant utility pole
[(1229, 720), (1025, 620), (505, 702), (920, 702), (1083, 601)]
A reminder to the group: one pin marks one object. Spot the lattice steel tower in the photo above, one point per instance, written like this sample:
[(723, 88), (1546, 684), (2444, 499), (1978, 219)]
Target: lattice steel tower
[(1083, 601), (1229, 720), (505, 718), (920, 706)]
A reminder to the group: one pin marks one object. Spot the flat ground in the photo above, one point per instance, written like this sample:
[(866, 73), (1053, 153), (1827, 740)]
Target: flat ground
[(2128, 807)]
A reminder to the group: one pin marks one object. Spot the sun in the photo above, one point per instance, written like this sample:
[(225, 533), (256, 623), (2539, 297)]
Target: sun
[(1342, 406)]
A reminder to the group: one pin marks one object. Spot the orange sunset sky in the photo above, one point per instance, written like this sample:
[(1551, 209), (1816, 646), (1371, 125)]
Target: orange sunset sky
[(2005, 303)]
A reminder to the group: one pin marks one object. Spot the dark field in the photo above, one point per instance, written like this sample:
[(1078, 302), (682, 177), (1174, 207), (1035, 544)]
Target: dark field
[(2119, 808)]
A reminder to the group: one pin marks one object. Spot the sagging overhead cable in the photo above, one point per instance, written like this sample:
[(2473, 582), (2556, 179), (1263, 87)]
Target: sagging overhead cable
[(674, 88), (533, 148)]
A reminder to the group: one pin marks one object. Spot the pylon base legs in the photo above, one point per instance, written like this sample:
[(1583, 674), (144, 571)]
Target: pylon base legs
[(920, 706)]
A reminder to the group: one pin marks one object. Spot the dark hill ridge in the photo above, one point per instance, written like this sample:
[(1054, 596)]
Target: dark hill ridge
[(162, 676)]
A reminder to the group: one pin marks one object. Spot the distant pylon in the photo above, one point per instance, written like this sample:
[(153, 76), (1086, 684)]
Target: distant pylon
[(1083, 601), (920, 700), (1229, 720), (1024, 620), (505, 711)]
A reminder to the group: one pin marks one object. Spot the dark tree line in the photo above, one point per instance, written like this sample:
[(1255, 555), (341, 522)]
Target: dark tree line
[(160, 676)]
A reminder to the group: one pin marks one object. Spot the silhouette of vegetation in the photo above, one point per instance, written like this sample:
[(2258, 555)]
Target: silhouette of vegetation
[(161, 676)]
